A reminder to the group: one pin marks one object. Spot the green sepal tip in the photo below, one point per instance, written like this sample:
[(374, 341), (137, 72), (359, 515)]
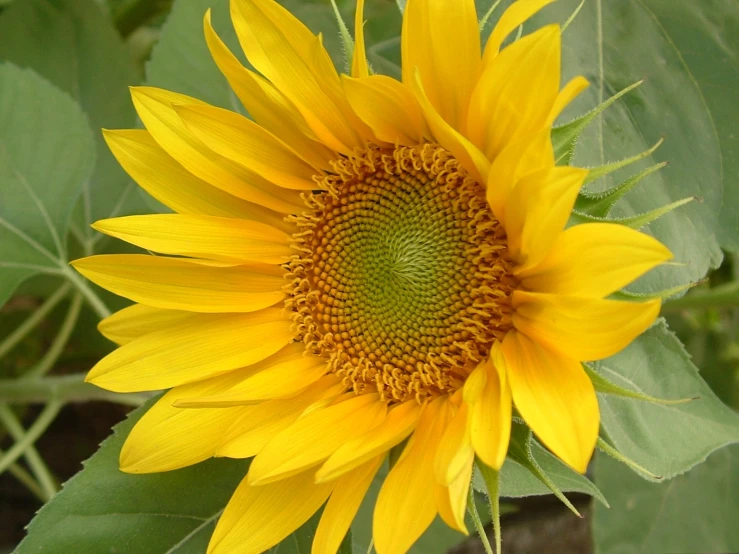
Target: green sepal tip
[(519, 450), (603, 446), (347, 41), (600, 204), (564, 137), (605, 386)]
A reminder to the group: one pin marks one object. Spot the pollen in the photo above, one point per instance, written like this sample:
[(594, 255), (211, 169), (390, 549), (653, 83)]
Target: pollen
[(402, 279)]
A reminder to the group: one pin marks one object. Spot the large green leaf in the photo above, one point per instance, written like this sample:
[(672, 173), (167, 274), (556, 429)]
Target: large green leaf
[(706, 35), (102, 509), (46, 156), (73, 45), (695, 512), (614, 44), (667, 439)]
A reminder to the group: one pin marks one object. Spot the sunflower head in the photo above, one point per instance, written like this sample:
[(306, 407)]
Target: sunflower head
[(403, 281), (364, 261)]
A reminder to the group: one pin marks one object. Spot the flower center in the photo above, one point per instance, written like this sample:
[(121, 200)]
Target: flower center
[(402, 279)]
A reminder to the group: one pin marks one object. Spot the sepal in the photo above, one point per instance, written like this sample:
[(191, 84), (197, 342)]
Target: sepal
[(595, 173), (600, 204), (573, 16), (603, 446), (605, 386), (564, 137), (634, 221), (347, 42), (519, 450)]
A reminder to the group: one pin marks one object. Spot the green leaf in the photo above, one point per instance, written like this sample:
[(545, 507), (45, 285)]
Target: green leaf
[(607, 43), (695, 512), (102, 509), (706, 36), (73, 45), (46, 156), (667, 439)]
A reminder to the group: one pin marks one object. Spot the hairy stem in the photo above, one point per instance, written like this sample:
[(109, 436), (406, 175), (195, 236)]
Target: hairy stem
[(60, 341), (41, 471), (472, 509), (66, 388), (722, 296), (81, 285), (34, 319), (26, 479), (492, 483), (26, 440)]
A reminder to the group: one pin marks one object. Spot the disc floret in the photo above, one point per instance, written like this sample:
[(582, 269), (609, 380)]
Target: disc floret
[(403, 280)]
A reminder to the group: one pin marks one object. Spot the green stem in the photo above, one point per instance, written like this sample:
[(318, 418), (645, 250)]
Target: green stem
[(34, 319), (135, 13), (93, 299), (40, 470), (722, 296), (27, 439), (66, 388), (60, 341), (492, 483), (27, 479), (472, 509)]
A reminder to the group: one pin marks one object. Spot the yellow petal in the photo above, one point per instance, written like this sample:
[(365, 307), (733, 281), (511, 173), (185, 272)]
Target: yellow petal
[(202, 236), (261, 423), (517, 14), (315, 436), (202, 346), (399, 423), (537, 211), (282, 49), (167, 438), (515, 93), (136, 321), (595, 259), (175, 187), (244, 142), (525, 155), (488, 396), (342, 507), (442, 39), (257, 518), (555, 397), (388, 107), (179, 284), (455, 450), (360, 68), (451, 500), (566, 95), (582, 328), (266, 104), (156, 110), (406, 505), (466, 153), (283, 375)]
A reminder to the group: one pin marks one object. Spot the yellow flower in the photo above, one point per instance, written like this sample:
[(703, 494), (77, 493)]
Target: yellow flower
[(365, 261)]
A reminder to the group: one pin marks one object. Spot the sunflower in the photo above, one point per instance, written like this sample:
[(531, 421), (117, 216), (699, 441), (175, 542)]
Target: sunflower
[(365, 262)]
